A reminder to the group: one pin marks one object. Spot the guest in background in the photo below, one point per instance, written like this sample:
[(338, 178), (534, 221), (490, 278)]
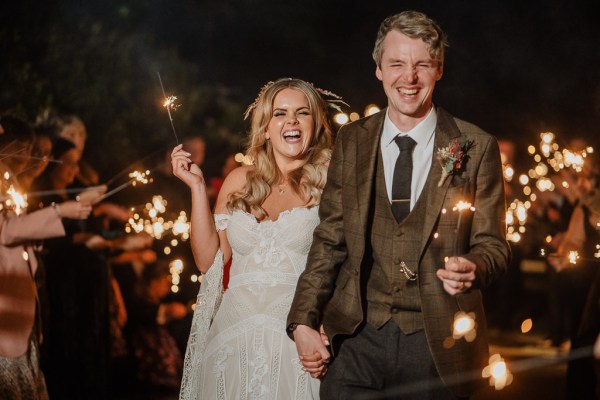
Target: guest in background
[(76, 347), (158, 361), (41, 153), (20, 330), (577, 271)]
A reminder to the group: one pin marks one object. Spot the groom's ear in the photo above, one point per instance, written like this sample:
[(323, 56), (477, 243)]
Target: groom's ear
[(378, 73), (440, 70)]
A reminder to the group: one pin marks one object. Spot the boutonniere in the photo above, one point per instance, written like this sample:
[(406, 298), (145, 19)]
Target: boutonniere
[(453, 157)]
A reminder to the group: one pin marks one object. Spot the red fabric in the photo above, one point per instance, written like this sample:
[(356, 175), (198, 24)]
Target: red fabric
[(226, 274)]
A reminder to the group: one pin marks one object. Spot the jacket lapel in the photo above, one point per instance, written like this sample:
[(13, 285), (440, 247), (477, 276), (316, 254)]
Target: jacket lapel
[(445, 131), (367, 146)]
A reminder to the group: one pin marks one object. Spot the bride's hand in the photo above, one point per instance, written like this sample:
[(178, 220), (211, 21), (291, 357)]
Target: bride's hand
[(184, 169)]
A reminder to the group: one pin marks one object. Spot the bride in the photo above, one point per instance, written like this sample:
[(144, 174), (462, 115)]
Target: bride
[(264, 219)]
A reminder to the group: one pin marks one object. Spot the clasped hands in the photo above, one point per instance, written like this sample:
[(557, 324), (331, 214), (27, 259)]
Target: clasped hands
[(312, 349), (457, 275)]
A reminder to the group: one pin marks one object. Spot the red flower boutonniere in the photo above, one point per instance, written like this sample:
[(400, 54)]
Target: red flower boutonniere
[(452, 157)]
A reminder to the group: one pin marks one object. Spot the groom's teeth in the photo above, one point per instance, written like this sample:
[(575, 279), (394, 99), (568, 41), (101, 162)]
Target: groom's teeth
[(408, 91)]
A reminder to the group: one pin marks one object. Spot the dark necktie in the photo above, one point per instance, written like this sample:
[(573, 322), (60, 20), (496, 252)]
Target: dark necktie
[(402, 178)]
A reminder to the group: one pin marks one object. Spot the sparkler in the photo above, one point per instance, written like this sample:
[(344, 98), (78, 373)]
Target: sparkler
[(460, 207), (137, 177), (16, 155), (43, 193), (169, 104), (13, 154)]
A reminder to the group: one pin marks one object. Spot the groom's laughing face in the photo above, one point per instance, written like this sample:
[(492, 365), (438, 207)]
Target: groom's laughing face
[(409, 74)]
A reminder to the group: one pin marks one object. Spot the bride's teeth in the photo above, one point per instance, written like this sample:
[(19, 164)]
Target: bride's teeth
[(291, 134)]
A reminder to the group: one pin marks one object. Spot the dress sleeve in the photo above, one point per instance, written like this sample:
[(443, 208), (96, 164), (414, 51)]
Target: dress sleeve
[(221, 221), (207, 304)]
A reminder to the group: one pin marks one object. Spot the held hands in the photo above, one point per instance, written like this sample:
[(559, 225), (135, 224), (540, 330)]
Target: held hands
[(312, 350), (184, 168), (457, 275)]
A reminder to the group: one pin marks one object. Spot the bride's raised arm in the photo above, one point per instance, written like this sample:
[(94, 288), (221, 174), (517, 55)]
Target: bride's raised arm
[(205, 239)]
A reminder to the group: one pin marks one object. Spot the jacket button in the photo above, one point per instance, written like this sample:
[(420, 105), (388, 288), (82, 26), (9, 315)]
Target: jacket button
[(394, 310)]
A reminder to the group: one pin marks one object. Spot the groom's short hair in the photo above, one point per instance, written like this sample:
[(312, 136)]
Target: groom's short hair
[(415, 25)]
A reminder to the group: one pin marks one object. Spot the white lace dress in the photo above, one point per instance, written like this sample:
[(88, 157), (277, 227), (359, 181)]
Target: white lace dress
[(245, 352)]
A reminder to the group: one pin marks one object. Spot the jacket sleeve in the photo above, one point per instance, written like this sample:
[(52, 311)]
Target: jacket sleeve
[(328, 250), (488, 248)]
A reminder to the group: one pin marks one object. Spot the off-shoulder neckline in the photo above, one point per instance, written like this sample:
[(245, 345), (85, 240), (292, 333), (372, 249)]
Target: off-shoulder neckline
[(283, 214)]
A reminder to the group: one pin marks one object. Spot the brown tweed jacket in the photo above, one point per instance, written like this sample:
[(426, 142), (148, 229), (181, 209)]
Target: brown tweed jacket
[(331, 289)]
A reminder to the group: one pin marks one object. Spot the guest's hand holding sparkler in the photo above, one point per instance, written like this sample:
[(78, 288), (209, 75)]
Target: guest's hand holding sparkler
[(185, 169), (457, 275), (74, 209), (92, 194)]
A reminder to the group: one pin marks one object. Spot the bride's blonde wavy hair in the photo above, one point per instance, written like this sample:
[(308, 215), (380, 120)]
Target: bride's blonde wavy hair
[(309, 179)]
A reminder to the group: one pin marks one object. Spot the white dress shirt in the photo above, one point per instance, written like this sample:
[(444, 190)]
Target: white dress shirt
[(423, 134)]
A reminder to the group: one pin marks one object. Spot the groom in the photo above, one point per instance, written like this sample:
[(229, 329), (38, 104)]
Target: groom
[(393, 260)]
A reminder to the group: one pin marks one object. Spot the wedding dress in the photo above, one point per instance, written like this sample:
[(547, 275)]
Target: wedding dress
[(238, 346)]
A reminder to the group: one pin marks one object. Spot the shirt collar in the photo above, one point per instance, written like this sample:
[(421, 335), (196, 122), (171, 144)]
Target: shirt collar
[(421, 133)]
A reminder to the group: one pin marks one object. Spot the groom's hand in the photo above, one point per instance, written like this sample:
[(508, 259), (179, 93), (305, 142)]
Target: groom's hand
[(313, 353), (458, 275)]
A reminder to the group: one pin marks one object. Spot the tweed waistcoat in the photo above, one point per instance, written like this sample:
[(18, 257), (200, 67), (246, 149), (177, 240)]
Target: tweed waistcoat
[(389, 292)]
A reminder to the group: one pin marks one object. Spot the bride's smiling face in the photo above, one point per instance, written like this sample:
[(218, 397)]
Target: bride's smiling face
[(292, 125)]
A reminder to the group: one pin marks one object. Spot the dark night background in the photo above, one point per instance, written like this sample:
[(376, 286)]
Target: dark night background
[(514, 68)]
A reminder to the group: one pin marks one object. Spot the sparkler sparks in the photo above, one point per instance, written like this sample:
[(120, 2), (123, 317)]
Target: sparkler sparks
[(498, 373), (464, 326), (516, 218), (175, 268), (461, 206), (151, 221), (170, 103), (10, 198), (573, 257), (15, 201)]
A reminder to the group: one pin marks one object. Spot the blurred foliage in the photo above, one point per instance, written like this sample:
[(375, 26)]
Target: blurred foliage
[(100, 62)]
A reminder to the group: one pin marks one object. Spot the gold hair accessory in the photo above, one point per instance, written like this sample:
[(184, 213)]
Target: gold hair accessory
[(334, 102)]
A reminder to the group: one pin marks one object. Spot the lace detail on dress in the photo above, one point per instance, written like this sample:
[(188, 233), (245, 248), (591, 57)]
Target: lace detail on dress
[(243, 351), (207, 303), (257, 387), (221, 221)]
